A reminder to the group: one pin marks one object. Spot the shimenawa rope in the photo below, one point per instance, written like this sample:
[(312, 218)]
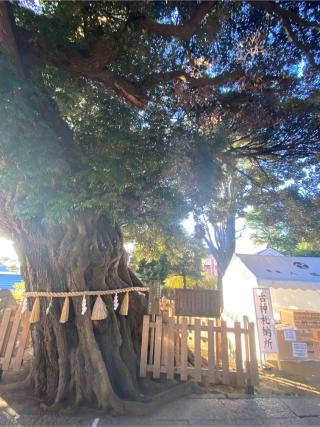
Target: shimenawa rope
[(81, 293)]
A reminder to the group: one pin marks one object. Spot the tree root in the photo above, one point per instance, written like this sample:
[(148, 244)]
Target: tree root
[(129, 408), (17, 385)]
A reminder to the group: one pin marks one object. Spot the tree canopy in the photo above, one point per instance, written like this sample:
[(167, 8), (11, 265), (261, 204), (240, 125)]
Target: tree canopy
[(197, 73)]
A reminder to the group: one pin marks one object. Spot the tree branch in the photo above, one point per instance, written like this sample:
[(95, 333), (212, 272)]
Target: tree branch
[(92, 66), (272, 7), (197, 83), (182, 32), (286, 17), (292, 36), (94, 62), (207, 237), (251, 179)]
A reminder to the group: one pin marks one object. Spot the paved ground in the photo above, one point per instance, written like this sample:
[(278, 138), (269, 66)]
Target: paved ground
[(194, 410)]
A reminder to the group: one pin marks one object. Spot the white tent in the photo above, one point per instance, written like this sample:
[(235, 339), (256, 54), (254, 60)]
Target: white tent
[(294, 282), (269, 250)]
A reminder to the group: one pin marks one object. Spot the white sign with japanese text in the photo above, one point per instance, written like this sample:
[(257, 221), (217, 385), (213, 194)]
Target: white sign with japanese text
[(265, 322), (300, 349), (290, 335)]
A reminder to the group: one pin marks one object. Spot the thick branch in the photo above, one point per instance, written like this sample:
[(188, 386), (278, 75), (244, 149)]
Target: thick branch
[(23, 47), (197, 83), (93, 63), (219, 80), (7, 36), (91, 66), (291, 35), (182, 32)]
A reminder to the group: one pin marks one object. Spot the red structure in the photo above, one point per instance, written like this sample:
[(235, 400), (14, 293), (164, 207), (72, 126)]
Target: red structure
[(209, 265)]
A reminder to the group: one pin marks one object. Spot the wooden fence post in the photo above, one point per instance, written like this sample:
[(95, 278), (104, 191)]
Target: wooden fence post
[(224, 353), (171, 340), (197, 349), (4, 325), (152, 336), (144, 346), (253, 355), (239, 367), (12, 339), (157, 347), (165, 339), (25, 334), (184, 350), (211, 356), (218, 342)]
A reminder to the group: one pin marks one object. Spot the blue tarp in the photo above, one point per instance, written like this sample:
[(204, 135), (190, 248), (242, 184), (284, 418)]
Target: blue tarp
[(7, 280)]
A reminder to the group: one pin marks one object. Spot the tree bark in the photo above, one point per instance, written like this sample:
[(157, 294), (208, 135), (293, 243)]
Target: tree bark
[(81, 361), (184, 277), (227, 246), (222, 248)]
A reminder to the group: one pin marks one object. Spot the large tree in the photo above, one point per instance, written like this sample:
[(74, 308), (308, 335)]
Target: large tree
[(106, 108)]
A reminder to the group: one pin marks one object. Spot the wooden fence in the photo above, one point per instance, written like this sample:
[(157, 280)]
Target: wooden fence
[(14, 337), (197, 348)]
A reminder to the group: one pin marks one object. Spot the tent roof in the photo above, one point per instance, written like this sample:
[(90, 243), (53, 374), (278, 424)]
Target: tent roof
[(284, 271), (269, 250)]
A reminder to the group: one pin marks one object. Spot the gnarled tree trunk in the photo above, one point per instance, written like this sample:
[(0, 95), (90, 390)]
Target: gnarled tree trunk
[(81, 361)]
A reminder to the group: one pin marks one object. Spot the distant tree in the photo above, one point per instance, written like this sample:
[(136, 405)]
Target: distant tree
[(281, 237), (177, 282), (188, 263), (18, 290), (158, 254), (288, 217), (152, 242), (216, 225), (216, 220), (174, 281), (153, 270)]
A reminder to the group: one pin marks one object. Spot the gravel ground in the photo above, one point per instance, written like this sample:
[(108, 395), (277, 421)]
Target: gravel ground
[(195, 410), (279, 400)]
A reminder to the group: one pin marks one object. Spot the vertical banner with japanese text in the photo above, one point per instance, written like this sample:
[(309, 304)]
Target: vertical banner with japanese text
[(265, 322)]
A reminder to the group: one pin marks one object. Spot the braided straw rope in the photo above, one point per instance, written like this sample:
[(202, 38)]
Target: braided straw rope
[(81, 293)]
